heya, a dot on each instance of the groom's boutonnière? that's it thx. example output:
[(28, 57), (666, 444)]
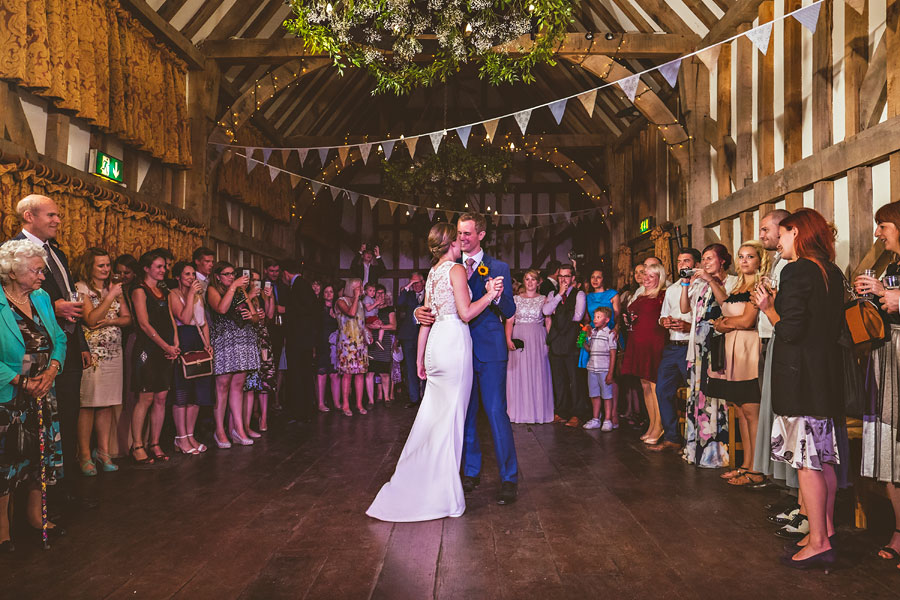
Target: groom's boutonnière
[(482, 269)]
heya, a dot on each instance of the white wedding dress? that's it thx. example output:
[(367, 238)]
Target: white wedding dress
[(426, 483)]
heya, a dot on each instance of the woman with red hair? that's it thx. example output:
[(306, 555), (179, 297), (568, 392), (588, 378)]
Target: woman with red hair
[(807, 374)]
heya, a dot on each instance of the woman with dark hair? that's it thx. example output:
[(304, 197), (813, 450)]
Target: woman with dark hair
[(235, 349), (155, 350), (101, 383), (263, 381), (381, 356), (189, 313), (706, 430), (597, 294), (881, 446), (326, 355), (807, 374), (125, 269)]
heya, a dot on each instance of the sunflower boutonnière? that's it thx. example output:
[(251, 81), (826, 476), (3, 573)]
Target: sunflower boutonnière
[(482, 269)]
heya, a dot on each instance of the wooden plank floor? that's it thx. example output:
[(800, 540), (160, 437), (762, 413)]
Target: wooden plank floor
[(598, 517)]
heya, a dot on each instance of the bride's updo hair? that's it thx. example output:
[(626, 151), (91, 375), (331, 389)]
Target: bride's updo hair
[(439, 239)]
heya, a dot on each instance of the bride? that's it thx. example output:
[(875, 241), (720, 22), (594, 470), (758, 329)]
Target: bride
[(426, 483)]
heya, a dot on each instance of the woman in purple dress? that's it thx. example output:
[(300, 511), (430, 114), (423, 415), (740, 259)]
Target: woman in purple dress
[(529, 391)]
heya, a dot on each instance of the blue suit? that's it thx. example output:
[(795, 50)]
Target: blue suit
[(489, 375), (408, 334)]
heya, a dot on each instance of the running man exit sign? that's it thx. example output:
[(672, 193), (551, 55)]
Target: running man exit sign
[(107, 167)]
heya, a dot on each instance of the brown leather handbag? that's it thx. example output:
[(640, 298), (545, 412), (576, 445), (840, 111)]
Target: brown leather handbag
[(864, 320)]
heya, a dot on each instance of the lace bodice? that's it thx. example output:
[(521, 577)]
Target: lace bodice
[(528, 310), (440, 290)]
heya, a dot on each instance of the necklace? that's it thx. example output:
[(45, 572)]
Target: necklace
[(20, 302)]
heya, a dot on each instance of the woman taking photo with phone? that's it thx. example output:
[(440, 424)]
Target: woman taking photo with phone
[(807, 374)]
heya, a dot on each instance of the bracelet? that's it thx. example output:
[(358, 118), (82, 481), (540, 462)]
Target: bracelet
[(24, 382), (683, 284)]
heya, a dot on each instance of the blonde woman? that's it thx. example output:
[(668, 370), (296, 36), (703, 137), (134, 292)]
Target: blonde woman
[(353, 353), (645, 344), (529, 390), (741, 384)]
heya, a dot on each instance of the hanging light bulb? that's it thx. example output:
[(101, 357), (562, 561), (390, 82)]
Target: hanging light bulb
[(468, 29), (531, 8), (329, 8), (512, 146)]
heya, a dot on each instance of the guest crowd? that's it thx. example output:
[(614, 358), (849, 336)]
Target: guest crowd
[(100, 354)]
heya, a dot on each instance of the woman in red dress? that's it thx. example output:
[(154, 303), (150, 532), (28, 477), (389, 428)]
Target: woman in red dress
[(645, 344)]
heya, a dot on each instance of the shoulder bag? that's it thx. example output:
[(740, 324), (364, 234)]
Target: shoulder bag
[(197, 363)]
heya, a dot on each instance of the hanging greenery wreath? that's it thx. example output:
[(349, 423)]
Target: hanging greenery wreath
[(392, 39), (445, 180)]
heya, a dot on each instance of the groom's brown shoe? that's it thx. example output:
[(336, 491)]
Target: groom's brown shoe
[(470, 483)]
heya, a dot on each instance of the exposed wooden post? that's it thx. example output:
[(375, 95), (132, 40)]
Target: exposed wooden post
[(822, 104), (203, 94), (765, 116), (892, 39), (723, 119), (726, 234), (743, 167), (56, 144), (793, 96), (695, 90), (859, 198)]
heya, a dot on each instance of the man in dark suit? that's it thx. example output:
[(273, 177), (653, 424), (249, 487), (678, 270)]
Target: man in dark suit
[(302, 321), (411, 297), (40, 221), (551, 279), (566, 311), (367, 265)]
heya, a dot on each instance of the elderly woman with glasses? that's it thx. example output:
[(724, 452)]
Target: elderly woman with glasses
[(32, 351)]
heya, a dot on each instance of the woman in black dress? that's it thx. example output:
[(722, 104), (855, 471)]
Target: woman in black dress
[(381, 355), (155, 349), (807, 374), (326, 359)]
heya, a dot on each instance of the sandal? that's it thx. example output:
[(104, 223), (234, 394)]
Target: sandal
[(88, 468), (159, 455), (148, 460), (732, 474), (894, 554), (747, 478)]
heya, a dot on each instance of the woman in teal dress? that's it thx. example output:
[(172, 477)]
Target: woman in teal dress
[(32, 351), (599, 295)]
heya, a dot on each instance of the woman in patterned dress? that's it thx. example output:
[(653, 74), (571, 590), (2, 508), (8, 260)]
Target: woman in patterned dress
[(235, 348), (529, 390), (261, 382), (31, 355), (353, 355), (105, 314)]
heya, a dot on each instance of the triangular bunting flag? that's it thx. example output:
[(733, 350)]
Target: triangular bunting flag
[(393, 207), (522, 119), (629, 86), (436, 138), (411, 143), (227, 156), (316, 186), (857, 5), (334, 194), (588, 99), (372, 201), (323, 155), (496, 220), (285, 155), (267, 152), (273, 172), (343, 152), (463, 133), (301, 154), (364, 150), (760, 36), (354, 196), (710, 56), (670, 71), (410, 209), (388, 148), (449, 215), (251, 163), (490, 128), (431, 214), (295, 179), (557, 109), (526, 220), (809, 16)]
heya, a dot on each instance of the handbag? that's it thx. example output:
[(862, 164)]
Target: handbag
[(717, 353), (197, 363), (865, 321)]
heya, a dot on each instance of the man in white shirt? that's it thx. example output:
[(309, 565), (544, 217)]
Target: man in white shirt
[(768, 237), (203, 258), (672, 372), (566, 311)]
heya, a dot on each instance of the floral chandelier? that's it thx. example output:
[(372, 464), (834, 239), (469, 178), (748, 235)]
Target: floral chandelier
[(405, 44)]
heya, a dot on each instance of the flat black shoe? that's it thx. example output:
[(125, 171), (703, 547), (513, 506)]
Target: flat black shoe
[(793, 549), (7, 546), (823, 560), (508, 493), (410, 405), (470, 483)]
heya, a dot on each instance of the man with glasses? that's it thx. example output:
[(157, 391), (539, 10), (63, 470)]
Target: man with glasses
[(566, 311)]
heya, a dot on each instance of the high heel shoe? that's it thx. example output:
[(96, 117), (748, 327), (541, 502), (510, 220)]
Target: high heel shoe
[(240, 440), (88, 468), (200, 448), (823, 560), (159, 455), (252, 434), (181, 450), (222, 445), (105, 461), (141, 461)]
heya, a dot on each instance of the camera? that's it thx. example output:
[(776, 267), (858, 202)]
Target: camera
[(686, 273), (575, 255)]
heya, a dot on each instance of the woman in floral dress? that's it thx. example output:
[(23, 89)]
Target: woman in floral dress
[(353, 355), (706, 431), (105, 314), (263, 381)]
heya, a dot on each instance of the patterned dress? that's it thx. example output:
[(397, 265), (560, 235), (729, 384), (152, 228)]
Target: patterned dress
[(101, 383), (235, 341), (263, 379), (20, 414), (353, 355)]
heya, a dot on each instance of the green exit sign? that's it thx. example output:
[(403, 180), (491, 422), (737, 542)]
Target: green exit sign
[(646, 225), (107, 167)]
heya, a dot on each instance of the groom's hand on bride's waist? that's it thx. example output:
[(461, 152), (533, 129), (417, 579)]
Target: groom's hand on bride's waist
[(423, 316)]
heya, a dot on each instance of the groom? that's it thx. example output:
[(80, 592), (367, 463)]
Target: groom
[(489, 361)]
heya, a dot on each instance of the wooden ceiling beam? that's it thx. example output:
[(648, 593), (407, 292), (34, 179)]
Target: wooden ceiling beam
[(633, 45), (165, 33), (743, 11)]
